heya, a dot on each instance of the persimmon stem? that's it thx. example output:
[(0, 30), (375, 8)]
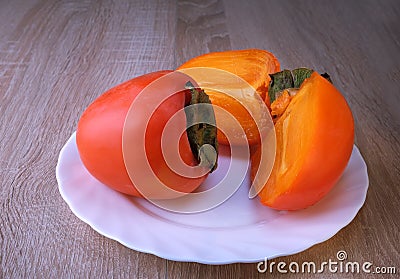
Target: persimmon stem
[(202, 128), (288, 79)]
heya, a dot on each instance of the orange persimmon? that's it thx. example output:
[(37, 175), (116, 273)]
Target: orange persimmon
[(253, 66), (314, 141), (100, 135)]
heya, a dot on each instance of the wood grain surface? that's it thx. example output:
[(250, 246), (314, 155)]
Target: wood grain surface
[(57, 56)]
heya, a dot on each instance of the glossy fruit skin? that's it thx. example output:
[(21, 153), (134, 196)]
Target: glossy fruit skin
[(315, 137), (100, 130)]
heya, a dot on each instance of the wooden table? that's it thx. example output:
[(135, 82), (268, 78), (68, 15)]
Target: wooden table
[(57, 56)]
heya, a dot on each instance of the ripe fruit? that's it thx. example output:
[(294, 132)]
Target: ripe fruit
[(99, 134), (314, 138)]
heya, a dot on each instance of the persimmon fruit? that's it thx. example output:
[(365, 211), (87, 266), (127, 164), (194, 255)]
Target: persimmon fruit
[(99, 134), (314, 141), (253, 67)]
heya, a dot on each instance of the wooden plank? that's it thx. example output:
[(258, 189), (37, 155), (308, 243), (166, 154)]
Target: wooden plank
[(347, 40), (59, 57), (201, 28)]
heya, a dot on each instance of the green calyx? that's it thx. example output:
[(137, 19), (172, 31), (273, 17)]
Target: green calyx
[(289, 79), (202, 128)]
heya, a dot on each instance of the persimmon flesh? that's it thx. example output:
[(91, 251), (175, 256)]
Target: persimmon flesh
[(314, 138), (253, 66)]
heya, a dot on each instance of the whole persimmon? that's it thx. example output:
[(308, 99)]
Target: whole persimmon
[(99, 134)]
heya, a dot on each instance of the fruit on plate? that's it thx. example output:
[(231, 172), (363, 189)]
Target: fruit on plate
[(99, 134), (314, 140), (313, 124), (248, 69)]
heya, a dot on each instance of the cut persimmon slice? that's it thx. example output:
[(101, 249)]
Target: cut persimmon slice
[(251, 67), (314, 141)]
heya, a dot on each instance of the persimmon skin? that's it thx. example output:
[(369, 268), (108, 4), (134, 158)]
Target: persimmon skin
[(100, 131), (315, 137)]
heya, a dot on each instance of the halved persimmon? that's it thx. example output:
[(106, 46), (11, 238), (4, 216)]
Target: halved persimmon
[(243, 93), (314, 141)]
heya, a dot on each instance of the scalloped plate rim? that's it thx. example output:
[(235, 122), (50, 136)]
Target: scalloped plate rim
[(176, 256)]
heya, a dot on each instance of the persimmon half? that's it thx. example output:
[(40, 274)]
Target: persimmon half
[(314, 141), (242, 93)]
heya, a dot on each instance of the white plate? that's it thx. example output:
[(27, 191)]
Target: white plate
[(239, 230)]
